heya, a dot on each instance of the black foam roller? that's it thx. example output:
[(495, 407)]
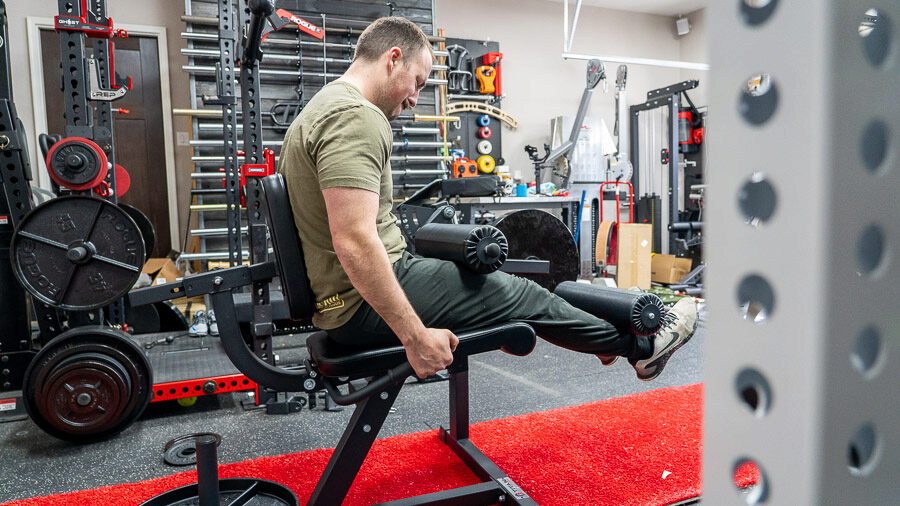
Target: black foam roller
[(481, 248), (629, 311)]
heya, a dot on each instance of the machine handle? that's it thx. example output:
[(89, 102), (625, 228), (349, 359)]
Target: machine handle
[(259, 11), (392, 377)]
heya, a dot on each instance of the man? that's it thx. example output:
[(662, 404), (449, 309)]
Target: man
[(369, 290)]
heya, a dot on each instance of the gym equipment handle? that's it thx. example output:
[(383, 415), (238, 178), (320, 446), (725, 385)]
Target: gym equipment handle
[(392, 377), (259, 11), (684, 226)]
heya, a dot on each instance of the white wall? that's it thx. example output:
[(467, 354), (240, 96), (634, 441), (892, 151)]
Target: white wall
[(539, 84), (694, 48)]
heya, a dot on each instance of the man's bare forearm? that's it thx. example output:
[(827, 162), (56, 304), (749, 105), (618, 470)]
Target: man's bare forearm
[(367, 265)]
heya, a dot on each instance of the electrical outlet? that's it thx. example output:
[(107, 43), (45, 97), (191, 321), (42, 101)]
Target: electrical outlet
[(182, 138)]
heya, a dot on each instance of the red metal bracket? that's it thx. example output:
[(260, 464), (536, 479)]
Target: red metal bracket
[(194, 387)]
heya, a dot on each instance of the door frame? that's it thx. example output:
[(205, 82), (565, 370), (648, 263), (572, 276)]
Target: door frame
[(34, 26)]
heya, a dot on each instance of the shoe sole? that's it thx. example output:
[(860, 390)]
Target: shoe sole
[(609, 361), (665, 358)]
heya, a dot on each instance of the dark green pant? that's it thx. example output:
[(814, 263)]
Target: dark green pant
[(446, 295)]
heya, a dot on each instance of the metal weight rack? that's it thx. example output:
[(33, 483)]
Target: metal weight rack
[(295, 66), (802, 383)]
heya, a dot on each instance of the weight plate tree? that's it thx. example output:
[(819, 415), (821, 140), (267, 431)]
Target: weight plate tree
[(77, 253), (538, 235), (87, 384)]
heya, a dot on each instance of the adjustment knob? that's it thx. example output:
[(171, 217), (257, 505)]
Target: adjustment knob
[(492, 251)]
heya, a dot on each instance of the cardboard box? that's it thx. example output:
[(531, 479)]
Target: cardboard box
[(669, 269), (161, 270), (634, 252)]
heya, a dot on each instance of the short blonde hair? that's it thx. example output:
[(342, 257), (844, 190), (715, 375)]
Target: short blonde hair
[(385, 33)]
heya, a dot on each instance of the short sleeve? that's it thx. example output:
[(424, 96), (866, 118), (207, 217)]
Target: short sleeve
[(350, 150)]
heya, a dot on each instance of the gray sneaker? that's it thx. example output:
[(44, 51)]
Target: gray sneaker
[(213, 325), (681, 323), (199, 324)]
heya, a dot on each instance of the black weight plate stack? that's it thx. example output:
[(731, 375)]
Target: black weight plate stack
[(145, 226), (87, 384), (77, 253), (250, 490), (538, 235)]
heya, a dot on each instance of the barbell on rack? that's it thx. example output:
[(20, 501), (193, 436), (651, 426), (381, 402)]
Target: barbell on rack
[(210, 70), (287, 58), (203, 20), (213, 37)]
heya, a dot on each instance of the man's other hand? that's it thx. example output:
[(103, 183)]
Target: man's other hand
[(431, 351)]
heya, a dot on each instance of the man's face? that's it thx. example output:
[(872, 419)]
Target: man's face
[(406, 77)]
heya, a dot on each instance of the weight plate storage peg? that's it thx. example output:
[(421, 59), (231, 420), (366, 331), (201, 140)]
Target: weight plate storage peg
[(87, 384), (484, 120), (484, 133), (77, 163), (485, 147), (77, 253)]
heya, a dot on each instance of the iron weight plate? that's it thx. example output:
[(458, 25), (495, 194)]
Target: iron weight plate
[(148, 232), (537, 235), (87, 384), (77, 253)]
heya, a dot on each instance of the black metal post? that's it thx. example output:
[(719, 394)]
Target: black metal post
[(261, 327), (353, 447), (675, 154), (459, 398), (105, 138), (207, 471), (228, 29), (635, 150)]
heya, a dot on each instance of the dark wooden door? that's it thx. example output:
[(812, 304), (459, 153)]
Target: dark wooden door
[(139, 134)]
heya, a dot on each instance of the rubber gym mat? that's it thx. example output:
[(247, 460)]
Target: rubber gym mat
[(641, 449)]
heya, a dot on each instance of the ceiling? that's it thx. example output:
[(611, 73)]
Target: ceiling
[(661, 7)]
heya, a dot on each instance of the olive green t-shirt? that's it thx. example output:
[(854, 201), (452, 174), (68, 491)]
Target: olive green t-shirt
[(339, 139)]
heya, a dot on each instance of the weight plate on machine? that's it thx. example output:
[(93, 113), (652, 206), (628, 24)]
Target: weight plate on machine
[(182, 451), (485, 147), (87, 384), (537, 235), (142, 319), (171, 319), (77, 253), (148, 232), (77, 163), (157, 317)]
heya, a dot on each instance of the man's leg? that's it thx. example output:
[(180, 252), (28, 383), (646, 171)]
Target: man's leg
[(446, 295)]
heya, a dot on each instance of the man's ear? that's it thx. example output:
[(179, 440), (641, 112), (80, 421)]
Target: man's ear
[(395, 56)]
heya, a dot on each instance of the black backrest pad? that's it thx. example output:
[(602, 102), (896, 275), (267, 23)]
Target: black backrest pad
[(286, 243)]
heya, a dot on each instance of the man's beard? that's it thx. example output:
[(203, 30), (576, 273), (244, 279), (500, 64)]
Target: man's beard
[(390, 108)]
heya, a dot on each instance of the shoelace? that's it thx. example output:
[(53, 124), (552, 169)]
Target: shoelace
[(668, 318)]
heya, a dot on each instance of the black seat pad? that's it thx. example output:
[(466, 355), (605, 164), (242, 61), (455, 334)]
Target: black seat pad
[(336, 360)]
